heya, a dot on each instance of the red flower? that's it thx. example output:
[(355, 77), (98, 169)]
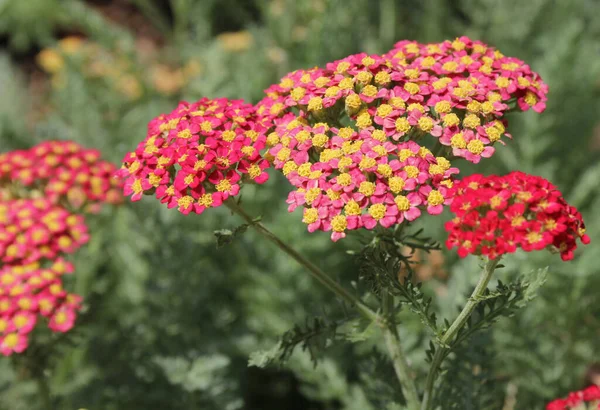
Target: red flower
[(498, 214)]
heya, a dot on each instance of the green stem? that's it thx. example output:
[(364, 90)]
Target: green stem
[(317, 273), (392, 342), (43, 391), (459, 322)]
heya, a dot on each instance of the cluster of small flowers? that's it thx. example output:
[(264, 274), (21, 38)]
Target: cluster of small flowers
[(455, 91), (35, 229), (348, 180), (498, 214), (61, 171), (587, 399), (27, 291), (34, 234), (198, 155)]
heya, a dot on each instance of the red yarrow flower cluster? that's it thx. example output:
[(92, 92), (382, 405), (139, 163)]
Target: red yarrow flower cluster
[(28, 292), (498, 214), (61, 171), (197, 156), (587, 399)]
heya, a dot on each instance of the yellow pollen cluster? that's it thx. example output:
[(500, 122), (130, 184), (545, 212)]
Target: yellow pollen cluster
[(402, 203), (344, 179), (385, 170), (475, 147), (382, 78), (425, 124), (402, 125), (364, 120), (353, 102), (352, 208), (298, 93), (223, 185), (185, 201), (364, 77), (411, 171), (384, 110), (471, 121), (367, 188), (319, 140), (377, 211), (315, 104), (412, 88), (442, 107), (339, 223), (311, 215), (435, 198), (206, 200)]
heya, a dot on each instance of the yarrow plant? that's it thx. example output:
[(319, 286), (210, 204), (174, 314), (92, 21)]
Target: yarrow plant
[(43, 192), (587, 399), (371, 143)]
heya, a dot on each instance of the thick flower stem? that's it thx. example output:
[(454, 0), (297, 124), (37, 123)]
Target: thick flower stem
[(401, 367), (459, 322), (317, 273), (44, 391)]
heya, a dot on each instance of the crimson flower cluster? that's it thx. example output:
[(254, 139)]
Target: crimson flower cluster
[(197, 156), (495, 215), (34, 234), (587, 399), (61, 171)]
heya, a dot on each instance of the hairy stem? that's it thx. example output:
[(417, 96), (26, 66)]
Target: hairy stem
[(317, 273), (459, 322), (392, 342)]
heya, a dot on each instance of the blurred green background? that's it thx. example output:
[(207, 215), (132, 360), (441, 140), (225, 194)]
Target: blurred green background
[(170, 322)]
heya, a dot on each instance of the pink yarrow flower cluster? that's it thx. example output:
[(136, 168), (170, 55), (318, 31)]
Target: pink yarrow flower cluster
[(587, 399), (347, 180), (28, 292), (34, 235), (197, 156), (61, 171), (457, 92), (495, 215)]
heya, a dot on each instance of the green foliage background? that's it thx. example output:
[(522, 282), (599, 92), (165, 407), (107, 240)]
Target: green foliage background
[(171, 322)]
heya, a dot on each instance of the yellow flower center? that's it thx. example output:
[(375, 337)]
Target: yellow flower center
[(425, 124), (402, 125), (411, 88), (339, 223), (458, 141), (366, 188), (223, 185), (435, 198), (396, 184), (311, 215), (344, 179), (377, 211), (352, 208), (471, 121), (442, 107), (411, 171), (402, 203), (185, 201), (475, 147)]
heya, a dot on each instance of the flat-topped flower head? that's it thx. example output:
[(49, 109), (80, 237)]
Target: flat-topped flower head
[(455, 91), (348, 178), (587, 399), (35, 229), (495, 215), (30, 294), (198, 156), (61, 171)]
